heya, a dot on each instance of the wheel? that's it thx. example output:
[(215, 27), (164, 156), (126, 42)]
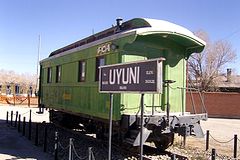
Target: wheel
[(164, 141)]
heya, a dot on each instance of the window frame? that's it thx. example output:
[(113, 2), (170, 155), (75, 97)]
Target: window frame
[(49, 75), (98, 61), (81, 76), (58, 73)]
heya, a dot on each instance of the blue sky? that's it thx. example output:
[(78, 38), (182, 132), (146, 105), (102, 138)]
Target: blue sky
[(61, 22)]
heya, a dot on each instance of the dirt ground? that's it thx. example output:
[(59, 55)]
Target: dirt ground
[(222, 130)]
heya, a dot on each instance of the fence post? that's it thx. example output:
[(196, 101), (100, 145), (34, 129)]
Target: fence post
[(24, 125), (30, 115), (89, 153), (30, 125), (70, 149), (28, 98), (235, 146), (56, 146), (15, 124), (19, 122), (213, 154), (14, 99), (207, 140), (7, 117), (173, 157), (45, 137), (11, 118), (36, 135)]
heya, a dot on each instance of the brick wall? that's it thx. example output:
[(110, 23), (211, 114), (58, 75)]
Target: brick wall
[(218, 104)]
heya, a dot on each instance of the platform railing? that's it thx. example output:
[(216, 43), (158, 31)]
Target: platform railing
[(191, 90)]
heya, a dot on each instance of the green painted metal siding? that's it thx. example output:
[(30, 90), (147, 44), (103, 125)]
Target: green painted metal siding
[(73, 96), (174, 68), (80, 97)]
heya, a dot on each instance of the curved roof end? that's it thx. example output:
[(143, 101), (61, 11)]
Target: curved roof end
[(191, 41)]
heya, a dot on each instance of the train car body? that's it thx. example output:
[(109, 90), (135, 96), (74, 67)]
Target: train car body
[(69, 81)]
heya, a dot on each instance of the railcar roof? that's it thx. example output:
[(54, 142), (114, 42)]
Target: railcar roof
[(141, 26), (175, 32)]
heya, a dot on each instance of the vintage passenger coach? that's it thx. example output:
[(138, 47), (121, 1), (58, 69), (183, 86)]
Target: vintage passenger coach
[(69, 82)]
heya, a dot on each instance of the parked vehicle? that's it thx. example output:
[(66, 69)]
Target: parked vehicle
[(69, 81)]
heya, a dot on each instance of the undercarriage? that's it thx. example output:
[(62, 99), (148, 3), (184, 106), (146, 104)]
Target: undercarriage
[(156, 127)]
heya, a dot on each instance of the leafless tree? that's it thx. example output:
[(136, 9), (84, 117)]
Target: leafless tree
[(203, 68), (25, 80)]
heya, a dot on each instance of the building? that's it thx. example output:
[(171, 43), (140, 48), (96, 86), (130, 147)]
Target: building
[(228, 82)]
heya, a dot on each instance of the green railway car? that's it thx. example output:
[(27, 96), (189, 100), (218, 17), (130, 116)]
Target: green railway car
[(69, 80)]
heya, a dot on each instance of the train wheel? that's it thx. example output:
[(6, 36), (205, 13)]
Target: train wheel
[(164, 141)]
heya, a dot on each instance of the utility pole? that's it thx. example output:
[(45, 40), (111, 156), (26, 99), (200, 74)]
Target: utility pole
[(38, 59)]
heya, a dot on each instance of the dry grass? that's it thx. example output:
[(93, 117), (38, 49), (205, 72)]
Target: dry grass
[(196, 148)]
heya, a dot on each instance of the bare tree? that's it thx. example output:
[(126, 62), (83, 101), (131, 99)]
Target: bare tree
[(25, 80), (203, 68)]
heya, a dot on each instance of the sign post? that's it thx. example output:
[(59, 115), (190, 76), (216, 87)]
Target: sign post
[(137, 77), (141, 132), (110, 128)]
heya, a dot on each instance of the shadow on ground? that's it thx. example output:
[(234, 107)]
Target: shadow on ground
[(13, 145)]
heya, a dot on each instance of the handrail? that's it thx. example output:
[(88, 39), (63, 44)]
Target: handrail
[(203, 107)]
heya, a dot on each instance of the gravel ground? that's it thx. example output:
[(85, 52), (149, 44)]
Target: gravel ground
[(222, 132), (220, 129)]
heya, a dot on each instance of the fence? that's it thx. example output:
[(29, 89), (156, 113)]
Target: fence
[(18, 100), (58, 146), (71, 150), (214, 153), (15, 121)]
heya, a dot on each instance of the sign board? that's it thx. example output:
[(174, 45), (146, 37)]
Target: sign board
[(139, 77)]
